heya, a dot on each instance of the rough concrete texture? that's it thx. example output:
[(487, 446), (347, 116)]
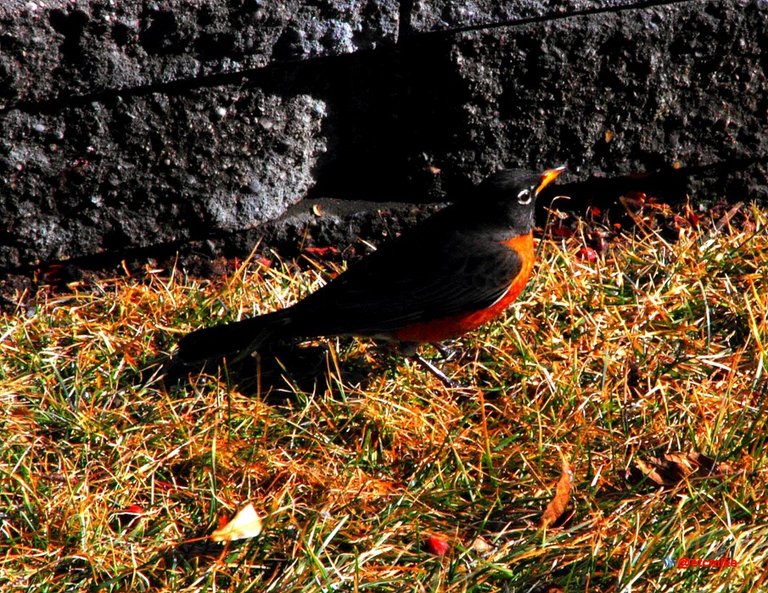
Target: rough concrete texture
[(619, 92), (442, 15), (149, 170), (611, 93), (129, 125), (60, 48)]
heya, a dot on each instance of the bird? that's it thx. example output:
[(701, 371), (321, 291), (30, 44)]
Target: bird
[(446, 276)]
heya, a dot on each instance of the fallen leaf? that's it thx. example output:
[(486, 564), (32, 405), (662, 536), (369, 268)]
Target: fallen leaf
[(165, 486), (481, 546), (635, 198), (322, 252), (672, 468), (561, 231), (692, 217), (222, 520), (709, 466), (587, 254), (127, 518), (245, 524), (436, 545), (60, 275), (559, 502), (662, 472), (634, 375), (598, 240)]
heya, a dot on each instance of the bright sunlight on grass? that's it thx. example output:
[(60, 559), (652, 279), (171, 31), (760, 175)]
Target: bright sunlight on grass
[(644, 357)]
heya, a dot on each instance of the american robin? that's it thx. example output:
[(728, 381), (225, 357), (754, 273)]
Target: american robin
[(448, 275)]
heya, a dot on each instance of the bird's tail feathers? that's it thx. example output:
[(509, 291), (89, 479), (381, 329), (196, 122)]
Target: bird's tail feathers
[(236, 337)]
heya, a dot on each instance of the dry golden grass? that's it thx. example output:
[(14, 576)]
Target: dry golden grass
[(655, 348)]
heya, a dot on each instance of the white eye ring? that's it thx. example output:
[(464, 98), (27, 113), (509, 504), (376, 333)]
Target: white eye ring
[(524, 197)]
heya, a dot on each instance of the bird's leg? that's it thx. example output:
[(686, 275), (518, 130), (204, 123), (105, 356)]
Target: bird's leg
[(446, 352), (435, 371), (409, 350)]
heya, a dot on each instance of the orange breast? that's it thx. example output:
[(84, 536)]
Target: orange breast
[(455, 325)]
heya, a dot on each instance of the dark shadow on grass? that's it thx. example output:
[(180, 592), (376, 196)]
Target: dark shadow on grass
[(276, 374)]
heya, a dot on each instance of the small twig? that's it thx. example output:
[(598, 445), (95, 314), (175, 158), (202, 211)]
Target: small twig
[(726, 218)]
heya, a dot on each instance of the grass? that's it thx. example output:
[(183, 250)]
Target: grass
[(657, 347)]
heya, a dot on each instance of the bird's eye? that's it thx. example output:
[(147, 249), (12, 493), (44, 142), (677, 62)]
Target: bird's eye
[(524, 197)]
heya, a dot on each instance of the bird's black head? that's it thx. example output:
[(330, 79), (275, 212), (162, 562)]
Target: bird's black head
[(510, 195)]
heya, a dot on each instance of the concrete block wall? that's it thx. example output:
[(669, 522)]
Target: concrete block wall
[(128, 125)]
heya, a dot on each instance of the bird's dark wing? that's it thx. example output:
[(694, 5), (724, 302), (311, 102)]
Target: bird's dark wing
[(413, 280)]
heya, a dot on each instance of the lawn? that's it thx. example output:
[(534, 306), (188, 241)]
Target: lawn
[(625, 390)]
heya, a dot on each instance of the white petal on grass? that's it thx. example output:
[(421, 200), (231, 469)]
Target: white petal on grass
[(245, 524)]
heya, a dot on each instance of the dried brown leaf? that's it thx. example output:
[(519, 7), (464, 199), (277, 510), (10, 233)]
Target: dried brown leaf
[(481, 546), (559, 502), (672, 468)]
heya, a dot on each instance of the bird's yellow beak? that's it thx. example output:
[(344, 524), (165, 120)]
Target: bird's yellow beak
[(548, 176)]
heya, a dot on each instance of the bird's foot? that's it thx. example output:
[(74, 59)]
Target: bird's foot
[(431, 368), (446, 352)]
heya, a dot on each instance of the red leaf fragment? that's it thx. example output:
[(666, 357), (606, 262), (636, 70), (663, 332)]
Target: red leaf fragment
[(587, 254), (322, 252), (560, 231), (126, 518), (436, 545)]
